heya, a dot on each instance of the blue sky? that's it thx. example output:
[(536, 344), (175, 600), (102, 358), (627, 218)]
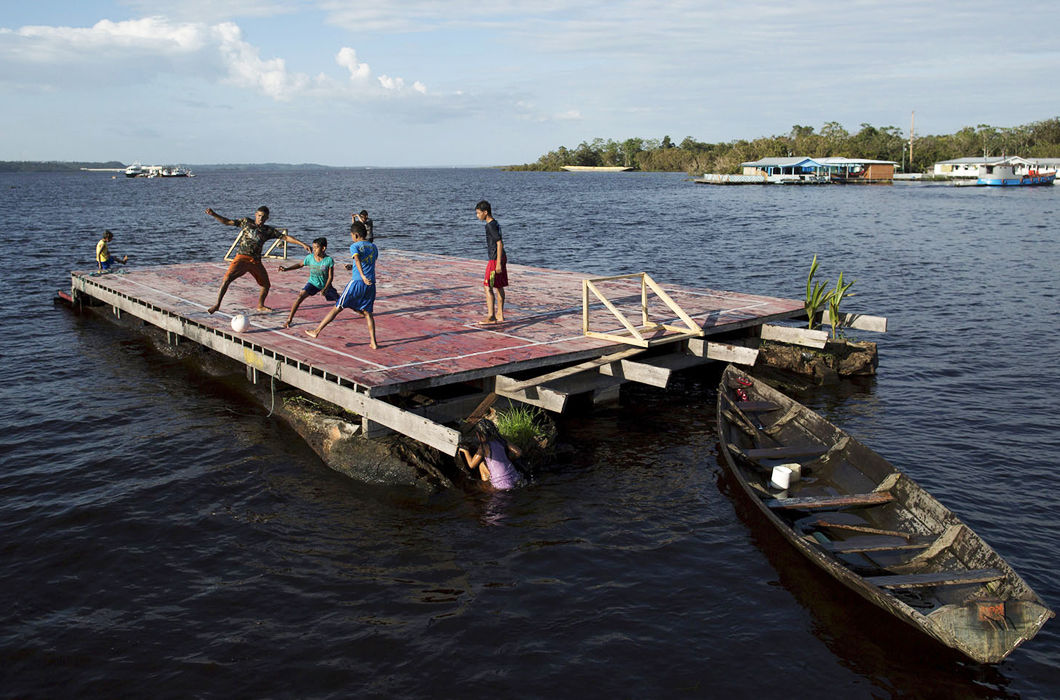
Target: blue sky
[(439, 82)]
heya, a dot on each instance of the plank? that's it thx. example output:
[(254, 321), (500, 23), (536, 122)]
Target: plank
[(872, 545), (757, 406), (786, 451), (482, 409), (862, 528), (795, 336), (819, 502), (575, 369), (735, 353), (937, 578), (861, 322)]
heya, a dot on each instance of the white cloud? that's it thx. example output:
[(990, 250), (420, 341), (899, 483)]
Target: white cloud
[(347, 58), (156, 44)]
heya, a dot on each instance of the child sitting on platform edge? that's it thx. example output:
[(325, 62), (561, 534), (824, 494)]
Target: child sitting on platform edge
[(104, 260)]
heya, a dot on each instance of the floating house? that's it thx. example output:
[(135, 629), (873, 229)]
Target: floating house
[(975, 167), (969, 167), (834, 169)]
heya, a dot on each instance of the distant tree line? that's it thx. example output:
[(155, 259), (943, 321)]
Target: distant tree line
[(1038, 139), (51, 166)]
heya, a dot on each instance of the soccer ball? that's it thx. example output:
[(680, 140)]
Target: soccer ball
[(239, 323)]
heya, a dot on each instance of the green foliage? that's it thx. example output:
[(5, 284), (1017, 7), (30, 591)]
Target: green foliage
[(1035, 140), (519, 426), (834, 300), (817, 295)]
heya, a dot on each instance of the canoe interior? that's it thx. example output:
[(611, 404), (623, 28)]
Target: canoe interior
[(871, 526)]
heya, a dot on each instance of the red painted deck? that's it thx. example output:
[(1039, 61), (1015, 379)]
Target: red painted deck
[(426, 312)]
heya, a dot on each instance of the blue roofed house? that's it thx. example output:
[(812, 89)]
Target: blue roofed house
[(801, 169)]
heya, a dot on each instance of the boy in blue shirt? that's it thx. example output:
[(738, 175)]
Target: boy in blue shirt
[(359, 294), (321, 275)]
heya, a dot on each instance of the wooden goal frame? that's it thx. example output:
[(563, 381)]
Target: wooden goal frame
[(635, 335), (267, 254)]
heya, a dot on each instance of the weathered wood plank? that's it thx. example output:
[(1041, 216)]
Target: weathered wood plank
[(861, 528), (854, 500), (735, 353), (785, 452), (653, 371), (795, 336), (574, 369), (937, 578), (853, 547), (861, 322), (757, 406)]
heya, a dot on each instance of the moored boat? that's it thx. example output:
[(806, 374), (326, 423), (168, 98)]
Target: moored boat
[(1005, 175), (870, 526)]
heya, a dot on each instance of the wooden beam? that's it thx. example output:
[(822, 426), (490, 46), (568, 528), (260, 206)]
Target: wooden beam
[(853, 500), (540, 396), (937, 578), (785, 452), (861, 322), (723, 352), (654, 371), (862, 528), (574, 369), (795, 336)]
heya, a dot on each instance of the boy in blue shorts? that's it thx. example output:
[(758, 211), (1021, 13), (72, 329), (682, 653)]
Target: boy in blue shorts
[(321, 274), (359, 294)]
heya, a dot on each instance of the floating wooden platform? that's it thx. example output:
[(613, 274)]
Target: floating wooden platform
[(427, 318)]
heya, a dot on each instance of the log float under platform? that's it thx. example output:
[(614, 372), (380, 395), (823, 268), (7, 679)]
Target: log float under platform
[(427, 315)]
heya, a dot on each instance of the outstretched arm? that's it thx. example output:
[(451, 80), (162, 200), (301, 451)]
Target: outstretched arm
[(291, 239), (223, 220), (291, 267)]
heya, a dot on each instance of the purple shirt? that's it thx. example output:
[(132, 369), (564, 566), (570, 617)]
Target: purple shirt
[(502, 472)]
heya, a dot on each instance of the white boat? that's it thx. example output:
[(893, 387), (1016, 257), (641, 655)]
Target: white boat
[(175, 171), (1005, 175), (134, 170)]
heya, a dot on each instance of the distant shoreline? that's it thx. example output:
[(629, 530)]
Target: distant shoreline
[(51, 166)]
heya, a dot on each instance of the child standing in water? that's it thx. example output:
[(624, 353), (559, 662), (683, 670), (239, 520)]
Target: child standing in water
[(321, 275), (359, 294), (491, 457)]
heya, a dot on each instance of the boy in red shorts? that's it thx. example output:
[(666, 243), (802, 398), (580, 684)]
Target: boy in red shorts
[(497, 267), (252, 236)]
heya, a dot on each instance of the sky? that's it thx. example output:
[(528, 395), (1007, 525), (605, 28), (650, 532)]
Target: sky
[(461, 83)]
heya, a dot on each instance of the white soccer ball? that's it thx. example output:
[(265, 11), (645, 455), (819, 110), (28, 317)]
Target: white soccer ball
[(239, 323)]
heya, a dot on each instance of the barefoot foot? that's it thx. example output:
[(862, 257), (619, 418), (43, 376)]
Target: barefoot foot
[(312, 334), (264, 308), (213, 308)]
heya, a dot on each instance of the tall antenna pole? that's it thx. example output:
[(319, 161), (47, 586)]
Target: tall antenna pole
[(912, 122)]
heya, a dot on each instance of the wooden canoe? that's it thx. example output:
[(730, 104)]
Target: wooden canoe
[(872, 527)]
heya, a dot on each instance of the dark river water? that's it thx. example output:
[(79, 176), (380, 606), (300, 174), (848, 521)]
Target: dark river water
[(161, 537)]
